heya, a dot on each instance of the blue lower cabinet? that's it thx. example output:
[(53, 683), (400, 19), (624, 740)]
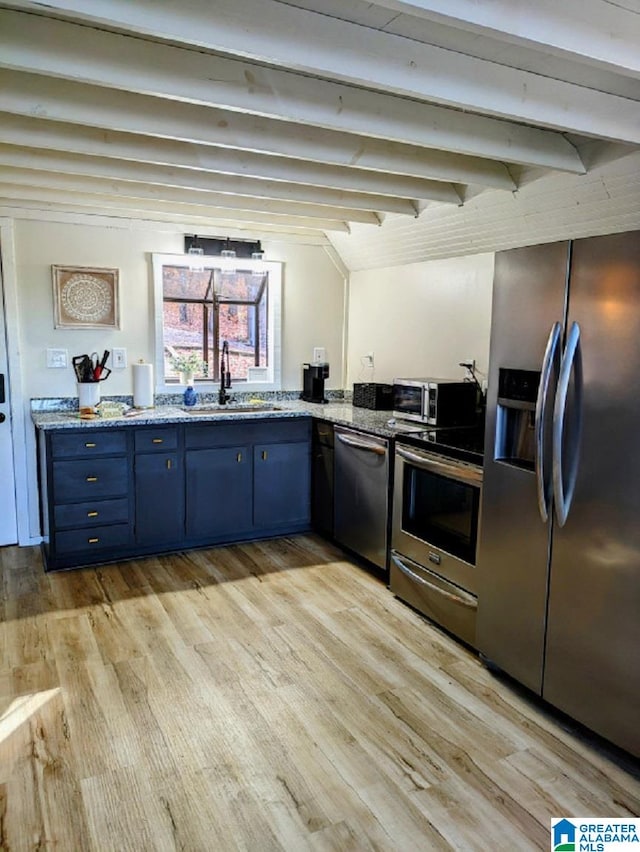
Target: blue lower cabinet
[(282, 484), (117, 493), (159, 497), (218, 492)]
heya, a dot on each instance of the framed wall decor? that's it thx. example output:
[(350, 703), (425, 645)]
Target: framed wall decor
[(85, 297)]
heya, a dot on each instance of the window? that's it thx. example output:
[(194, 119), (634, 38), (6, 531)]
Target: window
[(203, 301)]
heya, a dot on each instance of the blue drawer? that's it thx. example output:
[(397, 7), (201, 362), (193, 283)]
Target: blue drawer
[(92, 539), (75, 481), (88, 443), (92, 513), (155, 440)]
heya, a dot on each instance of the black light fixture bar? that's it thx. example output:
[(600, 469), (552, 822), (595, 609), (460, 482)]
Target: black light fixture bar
[(215, 245)]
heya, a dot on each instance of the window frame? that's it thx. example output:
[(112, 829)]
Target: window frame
[(273, 381)]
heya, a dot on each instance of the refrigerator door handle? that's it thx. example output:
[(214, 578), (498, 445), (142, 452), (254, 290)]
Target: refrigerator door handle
[(551, 357), (571, 362)]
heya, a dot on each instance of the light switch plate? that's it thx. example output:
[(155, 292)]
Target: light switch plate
[(119, 359), (57, 359)]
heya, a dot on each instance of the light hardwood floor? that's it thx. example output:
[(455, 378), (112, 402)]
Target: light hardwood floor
[(268, 696)]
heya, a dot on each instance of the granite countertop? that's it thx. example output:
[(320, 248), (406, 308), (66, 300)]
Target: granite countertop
[(337, 412)]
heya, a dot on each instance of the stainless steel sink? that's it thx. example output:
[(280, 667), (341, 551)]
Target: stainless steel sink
[(233, 408)]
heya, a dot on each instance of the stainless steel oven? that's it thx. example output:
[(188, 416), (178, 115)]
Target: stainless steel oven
[(436, 509)]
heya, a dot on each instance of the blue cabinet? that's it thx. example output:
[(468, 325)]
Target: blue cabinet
[(218, 492), (86, 501), (247, 479), (114, 493), (282, 484), (159, 498)]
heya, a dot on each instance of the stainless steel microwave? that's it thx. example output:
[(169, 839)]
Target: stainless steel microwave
[(435, 402)]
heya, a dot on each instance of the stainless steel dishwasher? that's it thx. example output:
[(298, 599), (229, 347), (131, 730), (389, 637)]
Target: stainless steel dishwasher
[(362, 494)]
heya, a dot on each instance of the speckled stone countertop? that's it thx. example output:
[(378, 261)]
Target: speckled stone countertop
[(337, 412)]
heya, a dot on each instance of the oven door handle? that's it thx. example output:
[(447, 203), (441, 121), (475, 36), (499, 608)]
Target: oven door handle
[(362, 445), (463, 598), (467, 473)]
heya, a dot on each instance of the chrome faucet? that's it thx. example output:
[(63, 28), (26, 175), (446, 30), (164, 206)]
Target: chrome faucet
[(225, 374)]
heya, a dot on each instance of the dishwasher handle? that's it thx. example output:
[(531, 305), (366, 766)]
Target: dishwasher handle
[(361, 444)]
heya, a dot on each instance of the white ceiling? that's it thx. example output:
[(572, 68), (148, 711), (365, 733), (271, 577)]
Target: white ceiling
[(335, 121)]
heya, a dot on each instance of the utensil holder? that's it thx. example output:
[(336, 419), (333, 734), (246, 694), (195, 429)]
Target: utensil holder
[(88, 394)]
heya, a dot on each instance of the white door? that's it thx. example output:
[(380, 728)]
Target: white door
[(8, 520)]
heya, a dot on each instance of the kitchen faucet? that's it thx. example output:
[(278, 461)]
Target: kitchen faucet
[(225, 375)]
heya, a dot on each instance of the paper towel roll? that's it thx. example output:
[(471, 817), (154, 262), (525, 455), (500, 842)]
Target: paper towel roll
[(142, 385)]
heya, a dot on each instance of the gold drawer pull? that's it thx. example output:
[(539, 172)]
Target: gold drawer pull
[(157, 440), (93, 540), (92, 514), (92, 479), (239, 457), (89, 444)]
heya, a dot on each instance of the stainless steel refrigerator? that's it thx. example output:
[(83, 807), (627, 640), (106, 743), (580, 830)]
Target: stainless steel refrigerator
[(559, 550)]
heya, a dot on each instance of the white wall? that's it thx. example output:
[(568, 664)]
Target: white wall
[(313, 293), (312, 311), (421, 319)]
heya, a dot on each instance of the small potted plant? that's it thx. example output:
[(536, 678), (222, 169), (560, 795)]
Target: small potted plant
[(187, 364)]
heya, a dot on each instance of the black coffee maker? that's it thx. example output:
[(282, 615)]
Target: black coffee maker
[(313, 376)]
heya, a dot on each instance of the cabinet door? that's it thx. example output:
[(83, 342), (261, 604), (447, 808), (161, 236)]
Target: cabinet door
[(282, 484), (219, 491), (159, 498)]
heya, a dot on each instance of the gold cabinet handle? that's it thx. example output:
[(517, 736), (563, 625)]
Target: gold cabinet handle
[(93, 540), (92, 479), (239, 457), (168, 464), (157, 440), (92, 514), (264, 455), (89, 444)]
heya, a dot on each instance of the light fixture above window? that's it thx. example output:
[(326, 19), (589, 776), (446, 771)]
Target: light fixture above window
[(228, 252), (196, 255), (217, 246), (228, 256)]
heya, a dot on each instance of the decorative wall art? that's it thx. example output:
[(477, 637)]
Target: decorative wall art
[(85, 297)]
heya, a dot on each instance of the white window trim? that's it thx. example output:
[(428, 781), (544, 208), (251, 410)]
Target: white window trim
[(274, 319)]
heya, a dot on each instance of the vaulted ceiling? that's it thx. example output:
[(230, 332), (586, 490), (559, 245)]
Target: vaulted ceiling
[(305, 120)]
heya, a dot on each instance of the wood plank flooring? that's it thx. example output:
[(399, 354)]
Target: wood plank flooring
[(268, 696)]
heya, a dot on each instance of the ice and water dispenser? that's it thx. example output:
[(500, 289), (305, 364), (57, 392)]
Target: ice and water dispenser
[(515, 425)]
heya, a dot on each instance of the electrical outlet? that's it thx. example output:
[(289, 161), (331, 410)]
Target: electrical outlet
[(368, 359), (119, 359), (57, 358)]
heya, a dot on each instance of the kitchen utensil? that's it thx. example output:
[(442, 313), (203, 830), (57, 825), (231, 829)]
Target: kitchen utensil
[(98, 370), (82, 367)]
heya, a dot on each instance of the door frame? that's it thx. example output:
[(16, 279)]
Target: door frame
[(24, 459)]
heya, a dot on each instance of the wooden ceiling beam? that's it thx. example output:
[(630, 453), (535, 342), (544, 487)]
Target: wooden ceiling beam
[(198, 181), (175, 195), (36, 133), (43, 45), (94, 106), (18, 204), (593, 32)]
